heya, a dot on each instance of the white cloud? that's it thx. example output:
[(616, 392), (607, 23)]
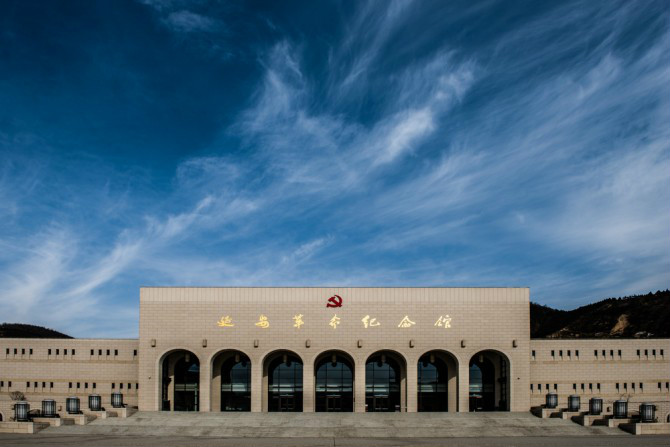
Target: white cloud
[(187, 22), (407, 130)]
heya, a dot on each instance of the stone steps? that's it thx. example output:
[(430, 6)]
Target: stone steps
[(332, 425)]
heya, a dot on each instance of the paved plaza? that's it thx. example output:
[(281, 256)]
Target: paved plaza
[(331, 429), (53, 440)]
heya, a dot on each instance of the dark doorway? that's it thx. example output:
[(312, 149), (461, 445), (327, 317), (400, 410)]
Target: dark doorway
[(186, 383), (383, 376), (236, 383), (433, 380), (334, 385), (488, 382), (285, 382)]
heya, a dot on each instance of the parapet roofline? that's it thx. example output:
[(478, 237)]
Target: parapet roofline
[(335, 287)]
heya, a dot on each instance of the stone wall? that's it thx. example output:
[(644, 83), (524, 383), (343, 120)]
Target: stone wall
[(630, 369), (59, 368)]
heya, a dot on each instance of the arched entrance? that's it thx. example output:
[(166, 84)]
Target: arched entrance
[(283, 371), (489, 381), (437, 382), (180, 381), (334, 382), (231, 381), (385, 380)]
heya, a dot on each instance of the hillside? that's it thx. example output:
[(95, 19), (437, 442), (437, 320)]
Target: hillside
[(17, 330), (637, 316)]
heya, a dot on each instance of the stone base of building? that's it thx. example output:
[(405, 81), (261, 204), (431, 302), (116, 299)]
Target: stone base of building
[(588, 420), (646, 428), (612, 422), (53, 422), (545, 413), (77, 419), (104, 414), (20, 427), (122, 412), (570, 414)]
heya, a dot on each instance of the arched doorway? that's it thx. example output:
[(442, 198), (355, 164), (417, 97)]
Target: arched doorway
[(384, 382), (437, 382), (283, 370), (334, 382), (180, 380), (231, 381), (489, 381)]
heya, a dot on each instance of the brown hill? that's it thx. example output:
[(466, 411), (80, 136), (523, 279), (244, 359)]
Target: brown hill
[(18, 330), (637, 316)]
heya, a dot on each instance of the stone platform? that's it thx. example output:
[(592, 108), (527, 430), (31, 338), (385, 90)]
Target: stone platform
[(591, 419), (21, 427), (640, 428), (333, 425)]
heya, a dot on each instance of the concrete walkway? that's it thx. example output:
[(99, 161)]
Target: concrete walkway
[(53, 440), (333, 426)]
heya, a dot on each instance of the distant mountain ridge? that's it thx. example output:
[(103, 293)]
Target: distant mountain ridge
[(637, 316), (18, 330)]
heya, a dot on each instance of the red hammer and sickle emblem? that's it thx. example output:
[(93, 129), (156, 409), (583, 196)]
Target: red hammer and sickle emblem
[(334, 301)]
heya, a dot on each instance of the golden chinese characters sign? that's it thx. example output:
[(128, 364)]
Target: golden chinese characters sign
[(443, 321)]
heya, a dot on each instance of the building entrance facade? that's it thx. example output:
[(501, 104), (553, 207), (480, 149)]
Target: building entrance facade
[(334, 382), (333, 350), (180, 381), (285, 382), (489, 381), (384, 382)]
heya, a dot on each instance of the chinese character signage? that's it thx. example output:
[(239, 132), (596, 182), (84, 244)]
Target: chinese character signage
[(406, 322), (263, 322), (225, 321), (368, 321)]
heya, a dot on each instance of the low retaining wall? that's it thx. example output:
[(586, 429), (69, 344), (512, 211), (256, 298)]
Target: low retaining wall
[(17, 427)]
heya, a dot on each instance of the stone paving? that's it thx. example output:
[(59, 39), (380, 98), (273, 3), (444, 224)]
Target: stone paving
[(153, 429), (334, 425), (53, 440)]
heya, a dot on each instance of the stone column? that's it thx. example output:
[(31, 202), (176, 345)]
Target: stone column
[(172, 361), (256, 386), (359, 386), (411, 382), (205, 386), (464, 386), (308, 387)]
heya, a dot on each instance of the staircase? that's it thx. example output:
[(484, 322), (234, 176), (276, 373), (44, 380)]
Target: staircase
[(331, 425)]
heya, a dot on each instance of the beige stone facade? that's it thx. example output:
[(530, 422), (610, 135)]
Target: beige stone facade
[(373, 326), (59, 368), (636, 370)]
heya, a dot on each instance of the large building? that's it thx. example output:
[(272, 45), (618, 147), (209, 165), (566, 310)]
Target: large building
[(335, 349)]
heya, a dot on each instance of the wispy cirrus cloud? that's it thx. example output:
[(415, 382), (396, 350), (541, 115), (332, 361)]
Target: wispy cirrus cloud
[(188, 22), (407, 145)]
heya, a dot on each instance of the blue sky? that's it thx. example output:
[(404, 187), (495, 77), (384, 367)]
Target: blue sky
[(329, 143)]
